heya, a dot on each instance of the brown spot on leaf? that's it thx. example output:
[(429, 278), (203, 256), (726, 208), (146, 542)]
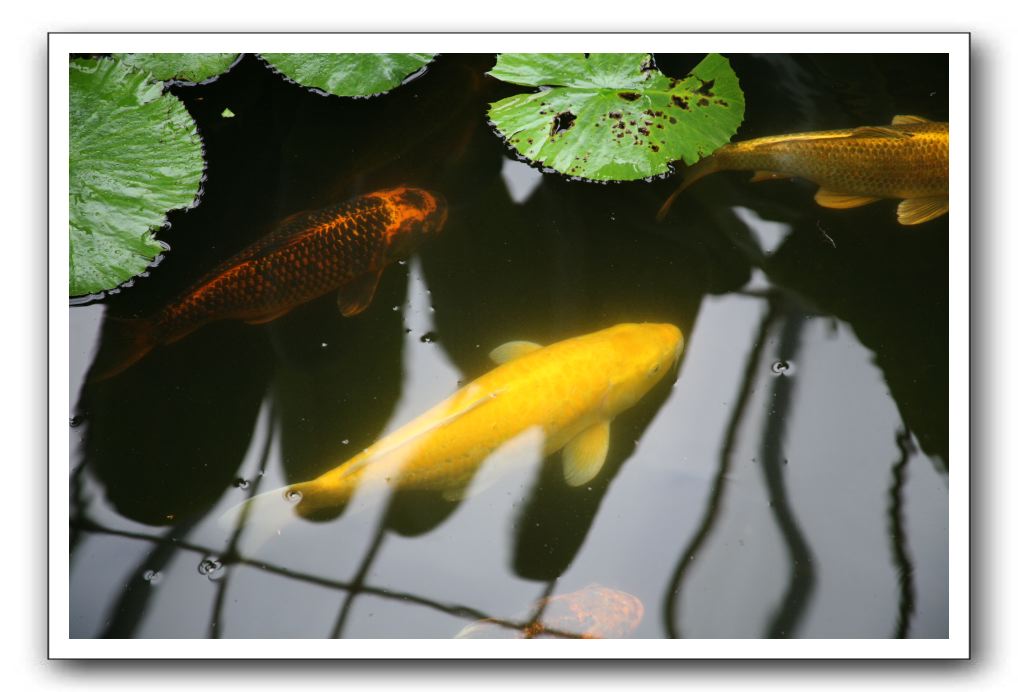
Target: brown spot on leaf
[(671, 120), (628, 95), (705, 87), (655, 148), (703, 102), (680, 102), (722, 102), (563, 121), (643, 131)]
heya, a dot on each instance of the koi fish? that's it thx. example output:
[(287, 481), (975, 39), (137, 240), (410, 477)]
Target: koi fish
[(905, 160), (563, 396), (593, 612), (345, 246)]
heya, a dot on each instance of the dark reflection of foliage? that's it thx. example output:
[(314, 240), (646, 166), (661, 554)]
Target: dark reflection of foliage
[(712, 512), (166, 436), (334, 400), (899, 538), (772, 463)]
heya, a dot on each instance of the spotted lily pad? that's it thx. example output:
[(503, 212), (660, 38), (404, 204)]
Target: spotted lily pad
[(182, 67), (614, 116), (135, 153), (349, 74)]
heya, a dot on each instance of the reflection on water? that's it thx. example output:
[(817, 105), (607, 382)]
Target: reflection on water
[(734, 500)]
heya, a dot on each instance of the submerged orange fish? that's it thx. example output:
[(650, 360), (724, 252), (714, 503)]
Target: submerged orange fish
[(905, 160), (309, 254), (593, 612)]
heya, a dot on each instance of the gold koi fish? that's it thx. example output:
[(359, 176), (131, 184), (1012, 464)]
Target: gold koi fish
[(905, 160), (567, 393)]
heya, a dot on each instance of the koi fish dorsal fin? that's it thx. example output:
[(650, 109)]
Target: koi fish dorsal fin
[(841, 200), (584, 455), (908, 120), (921, 209), (356, 295), (511, 350), (879, 131)]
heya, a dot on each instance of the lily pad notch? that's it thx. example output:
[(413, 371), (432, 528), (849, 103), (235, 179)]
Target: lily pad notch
[(614, 117)]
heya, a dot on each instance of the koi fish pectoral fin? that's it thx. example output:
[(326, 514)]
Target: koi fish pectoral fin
[(356, 295), (584, 455), (921, 209), (841, 200), (512, 350)]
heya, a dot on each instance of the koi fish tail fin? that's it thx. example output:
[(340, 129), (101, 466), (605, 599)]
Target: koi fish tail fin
[(703, 167), (124, 342), (259, 518)]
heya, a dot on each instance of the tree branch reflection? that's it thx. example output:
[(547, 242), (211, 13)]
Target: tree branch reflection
[(455, 610), (800, 587), (899, 540), (671, 618)]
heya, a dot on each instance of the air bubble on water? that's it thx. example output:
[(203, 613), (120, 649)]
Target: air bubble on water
[(77, 420), (401, 263), (430, 337), (211, 567), (293, 496), (395, 308), (782, 368), (325, 344), (241, 483), (152, 576), (346, 442)]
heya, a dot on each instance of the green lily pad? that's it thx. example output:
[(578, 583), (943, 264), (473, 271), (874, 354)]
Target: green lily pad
[(184, 67), (614, 116), (135, 154), (349, 74)]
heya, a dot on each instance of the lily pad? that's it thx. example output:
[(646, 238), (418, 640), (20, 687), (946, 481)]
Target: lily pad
[(614, 116), (349, 74), (135, 154), (183, 67)]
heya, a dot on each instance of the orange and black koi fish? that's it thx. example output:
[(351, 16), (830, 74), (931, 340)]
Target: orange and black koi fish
[(309, 254)]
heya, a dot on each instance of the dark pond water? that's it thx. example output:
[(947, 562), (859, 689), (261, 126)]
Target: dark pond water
[(790, 481)]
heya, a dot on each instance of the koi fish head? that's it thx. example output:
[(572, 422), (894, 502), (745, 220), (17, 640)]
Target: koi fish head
[(638, 357), (414, 214)]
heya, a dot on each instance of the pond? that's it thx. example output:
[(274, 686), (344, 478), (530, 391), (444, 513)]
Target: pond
[(789, 478)]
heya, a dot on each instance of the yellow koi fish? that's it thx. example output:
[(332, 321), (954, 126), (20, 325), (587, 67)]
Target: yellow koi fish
[(564, 395), (905, 160)]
